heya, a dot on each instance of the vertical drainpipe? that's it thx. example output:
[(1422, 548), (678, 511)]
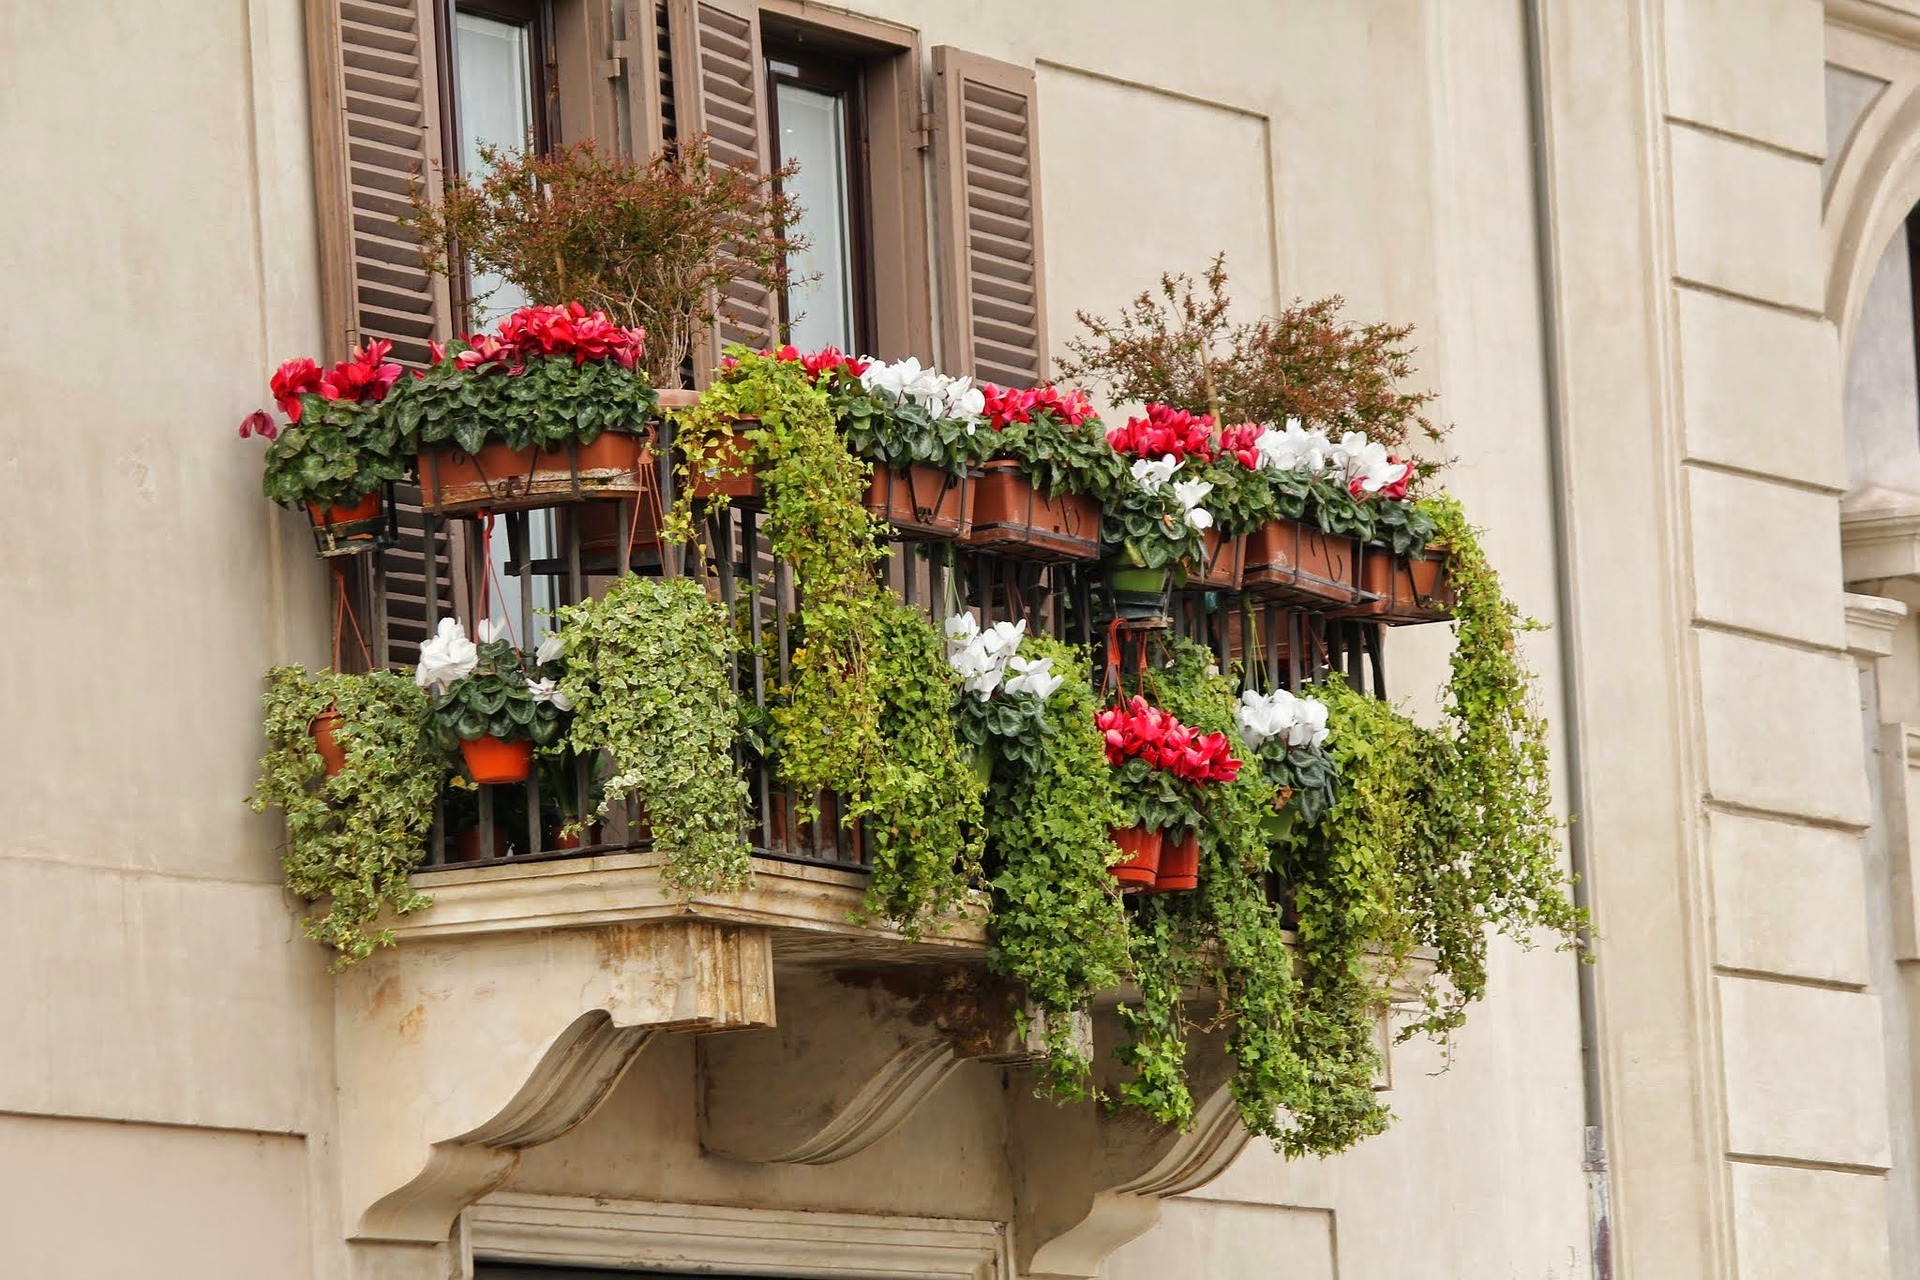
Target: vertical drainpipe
[(1599, 1214)]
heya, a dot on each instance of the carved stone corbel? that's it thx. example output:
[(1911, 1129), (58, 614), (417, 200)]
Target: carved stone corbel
[(855, 1054), (455, 1055)]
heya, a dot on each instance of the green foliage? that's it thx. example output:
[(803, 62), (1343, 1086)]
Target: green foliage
[(550, 402), (1057, 924), (355, 837), (1243, 497), (1059, 456), (494, 701), (866, 712), (1147, 529), (919, 801), (649, 673), (1163, 964), (896, 432), (339, 452)]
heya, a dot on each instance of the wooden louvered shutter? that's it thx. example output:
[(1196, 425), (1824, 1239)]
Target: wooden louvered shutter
[(374, 77), (994, 316), (720, 89)]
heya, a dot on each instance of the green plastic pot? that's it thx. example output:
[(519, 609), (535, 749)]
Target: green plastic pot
[(1138, 593)]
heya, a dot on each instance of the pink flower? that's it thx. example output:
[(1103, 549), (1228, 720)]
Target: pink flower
[(260, 423)]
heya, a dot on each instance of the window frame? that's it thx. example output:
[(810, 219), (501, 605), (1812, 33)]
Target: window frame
[(829, 73)]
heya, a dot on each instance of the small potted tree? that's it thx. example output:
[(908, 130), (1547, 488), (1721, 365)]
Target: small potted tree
[(488, 702), (339, 449), (1048, 460)]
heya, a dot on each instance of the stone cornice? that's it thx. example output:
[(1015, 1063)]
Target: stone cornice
[(1880, 537), (1871, 622)]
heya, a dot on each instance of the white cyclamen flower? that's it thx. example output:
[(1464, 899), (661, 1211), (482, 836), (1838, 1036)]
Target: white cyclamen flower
[(961, 628), (448, 657), (893, 378), (1355, 454), (485, 632), (1381, 472), (1150, 473), (548, 691), (1309, 728), (1002, 638), (1189, 494), (1294, 449), (550, 649), (1264, 715), (1034, 676)]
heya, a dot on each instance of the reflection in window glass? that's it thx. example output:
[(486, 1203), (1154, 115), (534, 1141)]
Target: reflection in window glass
[(493, 83), (493, 79), (813, 131)]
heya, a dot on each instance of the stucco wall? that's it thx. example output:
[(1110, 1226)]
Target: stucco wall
[(164, 260)]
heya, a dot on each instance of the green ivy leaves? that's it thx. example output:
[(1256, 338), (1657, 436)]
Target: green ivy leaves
[(649, 675), (352, 839)]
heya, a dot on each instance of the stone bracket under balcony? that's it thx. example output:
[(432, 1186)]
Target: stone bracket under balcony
[(454, 1055)]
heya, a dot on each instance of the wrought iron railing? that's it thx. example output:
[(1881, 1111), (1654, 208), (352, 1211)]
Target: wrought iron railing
[(523, 563)]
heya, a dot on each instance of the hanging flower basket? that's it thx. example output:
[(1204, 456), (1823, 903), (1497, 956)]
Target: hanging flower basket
[(350, 530), (1225, 562), (1138, 595), (1142, 866), (501, 478), (1295, 562), (494, 761), (922, 502), (1012, 518), (1179, 868), (1404, 591)]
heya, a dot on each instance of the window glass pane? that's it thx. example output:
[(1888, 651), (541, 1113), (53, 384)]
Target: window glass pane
[(493, 83), (813, 130)]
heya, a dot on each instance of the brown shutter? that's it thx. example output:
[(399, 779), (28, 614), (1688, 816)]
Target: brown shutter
[(647, 76), (374, 74), (719, 80), (994, 314)]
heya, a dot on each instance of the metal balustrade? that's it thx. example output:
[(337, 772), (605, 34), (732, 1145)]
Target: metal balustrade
[(563, 554)]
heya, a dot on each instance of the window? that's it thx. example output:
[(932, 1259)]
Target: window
[(817, 121), (501, 89)]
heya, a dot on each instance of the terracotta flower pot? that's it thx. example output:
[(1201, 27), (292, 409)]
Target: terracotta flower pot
[(494, 761), (1011, 518), (1403, 590), (454, 482), (1142, 866), (728, 468), (922, 502), (1295, 562), (1225, 563), (578, 840), (466, 844), (332, 754), (348, 531), (1179, 864)]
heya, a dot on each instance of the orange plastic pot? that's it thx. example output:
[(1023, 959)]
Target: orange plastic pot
[(495, 761), (347, 531), (727, 469), (1225, 562), (1404, 590), (1293, 562), (332, 754), (1142, 866), (1179, 864)]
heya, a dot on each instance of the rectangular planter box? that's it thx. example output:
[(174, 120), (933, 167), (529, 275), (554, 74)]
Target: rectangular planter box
[(1011, 518), (1226, 563), (453, 482), (1295, 562), (922, 502), (1404, 591)]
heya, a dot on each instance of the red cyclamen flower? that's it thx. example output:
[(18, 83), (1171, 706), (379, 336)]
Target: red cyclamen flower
[(260, 423), (369, 375), (1241, 443), (1165, 432), (292, 380)]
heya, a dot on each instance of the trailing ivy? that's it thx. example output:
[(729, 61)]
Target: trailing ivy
[(866, 712), (354, 838), (1057, 924), (649, 676)]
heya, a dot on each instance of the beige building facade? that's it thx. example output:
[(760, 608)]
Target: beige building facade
[(1657, 253)]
